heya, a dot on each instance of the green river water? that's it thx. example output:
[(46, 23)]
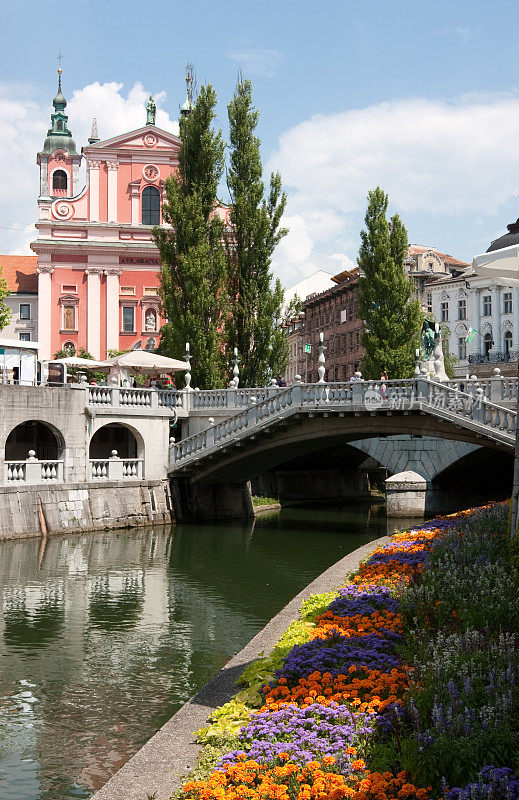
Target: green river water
[(104, 636)]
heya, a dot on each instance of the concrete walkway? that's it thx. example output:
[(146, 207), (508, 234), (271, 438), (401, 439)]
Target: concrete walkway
[(158, 768)]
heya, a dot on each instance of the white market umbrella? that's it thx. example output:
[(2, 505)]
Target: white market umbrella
[(503, 266), (75, 361), (144, 361)]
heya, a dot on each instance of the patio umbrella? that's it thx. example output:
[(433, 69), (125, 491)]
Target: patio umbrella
[(144, 361), (85, 363), (503, 266)]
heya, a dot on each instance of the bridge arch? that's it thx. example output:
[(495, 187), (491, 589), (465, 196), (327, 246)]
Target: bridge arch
[(45, 439)]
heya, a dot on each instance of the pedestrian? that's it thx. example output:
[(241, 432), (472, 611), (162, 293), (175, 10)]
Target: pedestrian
[(383, 377)]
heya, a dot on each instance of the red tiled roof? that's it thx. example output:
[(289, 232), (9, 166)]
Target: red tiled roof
[(417, 249), (20, 273)]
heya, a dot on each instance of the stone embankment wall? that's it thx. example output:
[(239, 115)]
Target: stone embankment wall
[(59, 508)]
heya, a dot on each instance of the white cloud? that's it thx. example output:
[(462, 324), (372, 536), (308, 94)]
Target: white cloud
[(25, 124), (264, 63), (432, 158)]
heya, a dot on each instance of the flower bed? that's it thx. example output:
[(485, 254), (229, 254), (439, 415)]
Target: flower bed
[(403, 684)]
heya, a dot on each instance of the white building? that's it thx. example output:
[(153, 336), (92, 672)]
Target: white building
[(490, 307)]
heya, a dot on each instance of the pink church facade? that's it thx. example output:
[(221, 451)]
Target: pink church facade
[(97, 262)]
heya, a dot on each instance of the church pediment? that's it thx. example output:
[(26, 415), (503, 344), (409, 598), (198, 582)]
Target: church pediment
[(148, 138)]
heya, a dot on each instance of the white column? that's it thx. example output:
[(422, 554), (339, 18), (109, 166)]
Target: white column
[(515, 319), (135, 197), (112, 190), (45, 311), (94, 311), (496, 320), (93, 190), (476, 343), (112, 308)]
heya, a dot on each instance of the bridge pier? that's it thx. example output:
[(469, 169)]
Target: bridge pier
[(406, 494), (193, 501)]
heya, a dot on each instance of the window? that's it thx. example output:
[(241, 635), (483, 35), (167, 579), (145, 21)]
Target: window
[(428, 300), (59, 125), (71, 347), (150, 290), (127, 290), (487, 305), (462, 348), (508, 342), (128, 319), (71, 288), (444, 308), (507, 303), (69, 318), (462, 309), (59, 180), (487, 343), (430, 266), (25, 337), (150, 206), (25, 311)]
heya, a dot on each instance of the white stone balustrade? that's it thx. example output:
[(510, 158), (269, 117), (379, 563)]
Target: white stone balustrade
[(33, 471), (115, 468)]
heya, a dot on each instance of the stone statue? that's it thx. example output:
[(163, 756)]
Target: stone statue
[(427, 336), (151, 110)]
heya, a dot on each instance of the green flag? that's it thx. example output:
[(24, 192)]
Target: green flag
[(470, 334)]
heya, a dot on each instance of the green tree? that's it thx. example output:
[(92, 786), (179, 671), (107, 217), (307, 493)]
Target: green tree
[(391, 318), (5, 311), (193, 274), (256, 300)]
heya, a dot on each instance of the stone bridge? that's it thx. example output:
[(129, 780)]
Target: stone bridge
[(304, 419)]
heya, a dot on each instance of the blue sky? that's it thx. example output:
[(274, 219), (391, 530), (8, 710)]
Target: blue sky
[(422, 98)]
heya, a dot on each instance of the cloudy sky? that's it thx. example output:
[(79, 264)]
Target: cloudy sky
[(419, 98)]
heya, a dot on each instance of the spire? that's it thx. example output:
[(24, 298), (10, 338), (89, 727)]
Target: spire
[(187, 108), (94, 136), (58, 135)]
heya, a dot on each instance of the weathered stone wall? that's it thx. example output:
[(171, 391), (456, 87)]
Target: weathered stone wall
[(82, 507)]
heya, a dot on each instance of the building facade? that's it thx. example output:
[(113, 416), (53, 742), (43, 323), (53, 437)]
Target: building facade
[(97, 263), (19, 272), (334, 312)]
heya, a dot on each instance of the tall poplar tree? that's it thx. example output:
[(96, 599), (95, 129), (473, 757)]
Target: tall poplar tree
[(391, 318), (256, 300), (193, 274)]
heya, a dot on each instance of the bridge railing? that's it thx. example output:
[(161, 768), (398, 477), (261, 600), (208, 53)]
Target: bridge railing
[(442, 399)]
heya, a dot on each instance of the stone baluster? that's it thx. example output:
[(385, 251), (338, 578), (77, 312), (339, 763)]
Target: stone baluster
[(321, 369)]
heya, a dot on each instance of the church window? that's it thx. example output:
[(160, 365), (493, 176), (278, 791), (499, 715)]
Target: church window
[(150, 290), (128, 319), (127, 290), (150, 206), (507, 303), (59, 180)]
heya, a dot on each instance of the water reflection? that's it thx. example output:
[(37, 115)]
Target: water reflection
[(114, 632)]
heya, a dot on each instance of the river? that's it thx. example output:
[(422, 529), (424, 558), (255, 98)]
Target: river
[(104, 636)]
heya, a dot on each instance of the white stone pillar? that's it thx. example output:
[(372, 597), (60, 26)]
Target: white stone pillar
[(135, 192), (476, 343), (496, 319), (515, 319), (94, 311), (93, 190), (112, 190), (112, 308), (45, 310)]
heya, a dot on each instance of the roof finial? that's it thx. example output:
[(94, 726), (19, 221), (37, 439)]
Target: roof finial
[(60, 56), (94, 136), (190, 90), (151, 110)]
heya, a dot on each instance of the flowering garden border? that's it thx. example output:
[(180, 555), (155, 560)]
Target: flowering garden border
[(346, 697)]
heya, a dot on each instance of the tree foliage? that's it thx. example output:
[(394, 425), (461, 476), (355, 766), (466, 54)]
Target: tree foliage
[(193, 274), (391, 318), (5, 311), (256, 300)]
